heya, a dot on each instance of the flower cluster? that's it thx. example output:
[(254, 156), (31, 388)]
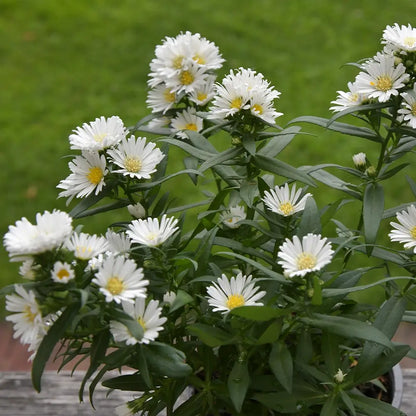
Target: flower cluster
[(249, 299)]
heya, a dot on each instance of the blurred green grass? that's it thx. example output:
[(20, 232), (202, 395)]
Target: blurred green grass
[(64, 63)]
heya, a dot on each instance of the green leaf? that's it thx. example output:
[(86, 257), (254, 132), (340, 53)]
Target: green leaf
[(248, 191), (271, 334), (279, 401), (277, 143), (128, 382), (317, 291), (335, 182), (281, 363), (258, 313), (192, 150), (182, 298), (330, 406), (311, 221), (283, 169), (348, 402), (343, 128), (52, 337), (166, 360), (373, 207), (373, 407), (210, 335), (238, 382), (348, 328), (220, 158)]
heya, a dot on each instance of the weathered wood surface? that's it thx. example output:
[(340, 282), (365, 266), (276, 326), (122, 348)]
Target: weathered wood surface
[(59, 396)]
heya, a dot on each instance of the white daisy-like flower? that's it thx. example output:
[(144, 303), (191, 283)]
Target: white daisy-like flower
[(150, 232), (136, 158), (205, 93), (382, 78), (28, 269), (118, 243), (400, 38), (192, 77), (233, 216), (24, 238), (360, 160), (240, 290), (86, 246), (88, 172), (159, 123), (301, 257), (120, 279), (160, 98), (405, 231), (62, 272), (187, 120), (409, 107), (99, 134), (285, 202), (147, 316), (244, 90), (136, 210), (26, 316), (348, 99)]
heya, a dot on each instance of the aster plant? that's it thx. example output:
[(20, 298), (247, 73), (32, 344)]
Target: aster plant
[(249, 300)]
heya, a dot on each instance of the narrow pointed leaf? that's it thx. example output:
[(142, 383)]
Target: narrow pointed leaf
[(238, 382), (281, 363), (373, 207)]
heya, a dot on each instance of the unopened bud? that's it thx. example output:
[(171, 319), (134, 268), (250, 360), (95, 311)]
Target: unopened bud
[(371, 171), (360, 161), (339, 376), (137, 210)]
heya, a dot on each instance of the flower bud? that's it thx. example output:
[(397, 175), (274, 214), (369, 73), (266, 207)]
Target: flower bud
[(360, 161), (371, 171), (339, 376), (137, 210)]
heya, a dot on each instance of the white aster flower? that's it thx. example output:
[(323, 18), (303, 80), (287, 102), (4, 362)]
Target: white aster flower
[(86, 246), (149, 232), (62, 272), (187, 120), (409, 107), (225, 294), (348, 99), (28, 323), (136, 158), (28, 269), (382, 78), (400, 38), (188, 79), (118, 243), (120, 279), (147, 316), (244, 90), (160, 98), (360, 160), (24, 238), (99, 134), (159, 123), (301, 257), (285, 202), (205, 93), (87, 176), (405, 231), (232, 216)]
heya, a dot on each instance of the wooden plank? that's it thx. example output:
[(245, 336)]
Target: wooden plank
[(59, 395)]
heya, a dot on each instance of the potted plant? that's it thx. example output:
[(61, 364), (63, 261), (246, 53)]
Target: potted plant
[(248, 296)]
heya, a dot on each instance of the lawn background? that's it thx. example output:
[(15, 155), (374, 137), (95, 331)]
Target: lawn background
[(67, 62)]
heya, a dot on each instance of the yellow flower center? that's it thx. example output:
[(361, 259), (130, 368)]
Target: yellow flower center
[(83, 252), (177, 62), (141, 323), (115, 285), (354, 97), (409, 40), (287, 208), (99, 137), (236, 102), (258, 108), (191, 126), (383, 83), (201, 96), (234, 301), (95, 175), (186, 78), (306, 261), (413, 232), (413, 109), (199, 59), (132, 164), (62, 274), (28, 314), (169, 96)]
